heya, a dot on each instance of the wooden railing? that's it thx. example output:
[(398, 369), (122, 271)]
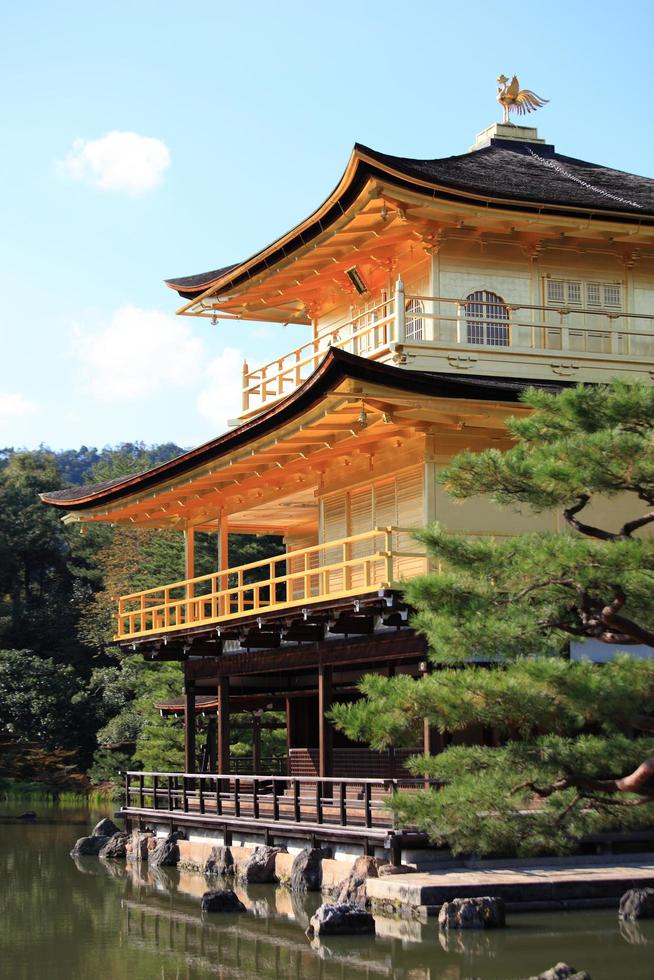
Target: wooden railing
[(365, 334), (346, 803), (355, 565), (454, 323)]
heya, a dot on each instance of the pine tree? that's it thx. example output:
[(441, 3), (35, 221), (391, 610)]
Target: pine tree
[(567, 762)]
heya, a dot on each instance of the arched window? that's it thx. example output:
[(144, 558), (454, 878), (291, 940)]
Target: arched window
[(487, 319), (413, 322)]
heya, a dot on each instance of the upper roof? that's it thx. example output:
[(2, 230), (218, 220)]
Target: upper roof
[(506, 174), (337, 366)]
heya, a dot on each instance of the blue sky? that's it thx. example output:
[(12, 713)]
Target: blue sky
[(254, 109)]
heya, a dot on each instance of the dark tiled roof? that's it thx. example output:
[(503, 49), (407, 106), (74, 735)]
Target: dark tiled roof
[(90, 489), (502, 174), (195, 282), (531, 172), (336, 366)]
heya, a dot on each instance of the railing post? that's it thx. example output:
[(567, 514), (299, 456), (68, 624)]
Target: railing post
[(170, 792), (237, 797), (343, 804), (318, 801), (275, 800), (296, 800), (141, 790), (128, 792), (155, 789), (367, 804), (246, 390), (400, 310), (388, 542)]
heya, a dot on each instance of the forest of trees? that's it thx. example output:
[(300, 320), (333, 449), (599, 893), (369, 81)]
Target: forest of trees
[(74, 709)]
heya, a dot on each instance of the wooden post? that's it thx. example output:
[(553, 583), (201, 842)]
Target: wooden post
[(256, 743), (189, 568), (223, 562), (223, 724), (212, 742), (325, 739), (189, 728), (288, 736), (400, 311)]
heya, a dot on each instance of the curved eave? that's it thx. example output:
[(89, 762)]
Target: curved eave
[(363, 166), (336, 367)]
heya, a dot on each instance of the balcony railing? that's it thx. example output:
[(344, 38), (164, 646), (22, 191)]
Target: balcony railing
[(352, 804), (355, 565), (451, 325)]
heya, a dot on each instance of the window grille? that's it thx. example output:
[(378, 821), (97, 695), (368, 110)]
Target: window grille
[(572, 292), (487, 319), (413, 321)]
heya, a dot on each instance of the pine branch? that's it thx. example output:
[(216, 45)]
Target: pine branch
[(593, 532)]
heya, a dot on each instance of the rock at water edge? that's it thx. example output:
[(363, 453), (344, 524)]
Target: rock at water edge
[(221, 901), (637, 903), (386, 870), (219, 862), (340, 919), (165, 854), (353, 889), (562, 971), (105, 828), (486, 912), (139, 845), (259, 869), (306, 870), (88, 846), (116, 847)]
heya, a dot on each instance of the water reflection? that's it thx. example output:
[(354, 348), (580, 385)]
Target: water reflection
[(87, 919)]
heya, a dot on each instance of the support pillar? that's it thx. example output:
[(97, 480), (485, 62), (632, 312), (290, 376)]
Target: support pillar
[(256, 743), (189, 570), (212, 742), (223, 725), (189, 728), (325, 732)]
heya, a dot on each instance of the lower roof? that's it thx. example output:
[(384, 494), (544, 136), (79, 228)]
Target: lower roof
[(336, 367)]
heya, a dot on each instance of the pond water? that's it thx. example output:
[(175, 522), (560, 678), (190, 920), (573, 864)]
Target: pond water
[(62, 920)]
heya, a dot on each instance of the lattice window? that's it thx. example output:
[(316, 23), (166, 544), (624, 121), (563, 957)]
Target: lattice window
[(414, 322), (487, 319), (574, 293)]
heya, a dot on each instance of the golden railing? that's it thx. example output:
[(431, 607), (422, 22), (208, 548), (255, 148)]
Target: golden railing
[(355, 565), (363, 334), (451, 323)]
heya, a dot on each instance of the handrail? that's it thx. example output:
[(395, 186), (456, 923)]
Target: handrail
[(257, 381), (529, 332), (358, 805), (309, 575)]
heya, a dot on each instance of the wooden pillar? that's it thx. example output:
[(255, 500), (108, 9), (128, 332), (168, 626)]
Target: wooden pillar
[(223, 724), (325, 733), (256, 743), (212, 742), (189, 728), (288, 736), (223, 561), (189, 565)]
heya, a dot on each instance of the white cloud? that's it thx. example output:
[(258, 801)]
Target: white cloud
[(14, 406), (220, 399), (118, 161), (137, 353)]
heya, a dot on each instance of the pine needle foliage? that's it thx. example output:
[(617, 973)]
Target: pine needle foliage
[(499, 615)]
